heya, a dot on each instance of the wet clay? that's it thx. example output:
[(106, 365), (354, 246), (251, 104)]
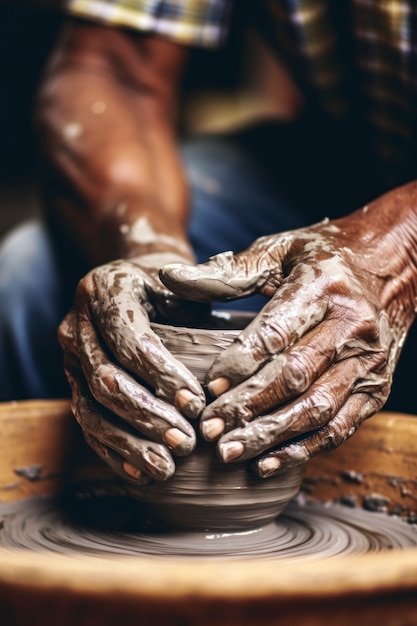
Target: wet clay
[(205, 493), (322, 351), (103, 528)]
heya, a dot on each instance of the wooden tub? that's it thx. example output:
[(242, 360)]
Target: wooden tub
[(41, 447)]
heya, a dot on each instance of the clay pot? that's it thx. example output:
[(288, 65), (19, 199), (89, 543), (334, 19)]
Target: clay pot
[(206, 494)]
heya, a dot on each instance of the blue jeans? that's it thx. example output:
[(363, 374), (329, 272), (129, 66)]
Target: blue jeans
[(242, 186)]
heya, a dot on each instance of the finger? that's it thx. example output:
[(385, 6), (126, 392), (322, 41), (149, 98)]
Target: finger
[(312, 411), (114, 389), (67, 332), (116, 462), (151, 460), (224, 277), (143, 353), (284, 377), (357, 408), (124, 325), (287, 317)]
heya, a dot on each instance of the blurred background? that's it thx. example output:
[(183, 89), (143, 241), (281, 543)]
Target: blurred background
[(223, 89), (26, 37), (226, 89)]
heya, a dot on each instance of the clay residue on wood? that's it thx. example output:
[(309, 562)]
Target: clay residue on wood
[(33, 473)]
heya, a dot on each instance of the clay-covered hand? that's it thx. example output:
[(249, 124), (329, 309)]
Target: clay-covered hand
[(319, 357), (129, 394)]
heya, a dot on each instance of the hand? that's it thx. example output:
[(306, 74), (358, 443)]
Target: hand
[(114, 187), (129, 393), (319, 358)]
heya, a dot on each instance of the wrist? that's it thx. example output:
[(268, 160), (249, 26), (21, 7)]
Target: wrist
[(384, 234), (130, 231)]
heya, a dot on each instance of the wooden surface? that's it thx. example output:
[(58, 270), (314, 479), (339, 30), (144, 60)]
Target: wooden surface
[(379, 460), (55, 589), (41, 449)]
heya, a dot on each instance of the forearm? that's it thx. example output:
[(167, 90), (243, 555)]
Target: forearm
[(106, 118), (384, 234)]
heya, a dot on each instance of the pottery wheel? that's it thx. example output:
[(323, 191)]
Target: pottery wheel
[(103, 528)]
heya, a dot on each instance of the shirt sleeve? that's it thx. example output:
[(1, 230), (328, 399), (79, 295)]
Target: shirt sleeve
[(200, 23)]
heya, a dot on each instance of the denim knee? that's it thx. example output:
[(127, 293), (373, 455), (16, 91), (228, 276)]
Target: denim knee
[(30, 311)]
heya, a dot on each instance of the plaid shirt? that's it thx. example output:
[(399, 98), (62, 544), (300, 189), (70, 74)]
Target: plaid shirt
[(343, 54), (195, 22)]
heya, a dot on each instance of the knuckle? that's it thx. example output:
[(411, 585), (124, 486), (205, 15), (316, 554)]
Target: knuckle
[(236, 417), (272, 335), (294, 377), (67, 330), (378, 361), (85, 285), (372, 402), (83, 412), (64, 332), (379, 370), (343, 426), (234, 413), (364, 323), (115, 438), (376, 377), (84, 289), (321, 407), (297, 454), (335, 435), (103, 380), (299, 370)]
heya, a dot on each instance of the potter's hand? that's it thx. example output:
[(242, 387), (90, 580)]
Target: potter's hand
[(129, 393), (319, 358), (113, 182)]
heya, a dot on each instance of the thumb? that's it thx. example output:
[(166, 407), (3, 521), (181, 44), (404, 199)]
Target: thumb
[(224, 277)]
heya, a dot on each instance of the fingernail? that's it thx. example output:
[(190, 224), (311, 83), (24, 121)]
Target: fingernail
[(268, 466), (219, 386), (174, 437), (268, 291), (131, 470), (189, 403), (184, 396), (212, 428), (231, 451)]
